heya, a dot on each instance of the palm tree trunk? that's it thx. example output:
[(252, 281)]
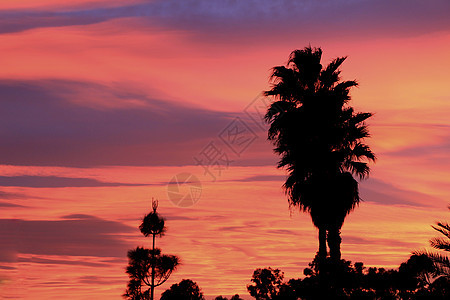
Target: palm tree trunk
[(334, 242), (322, 254)]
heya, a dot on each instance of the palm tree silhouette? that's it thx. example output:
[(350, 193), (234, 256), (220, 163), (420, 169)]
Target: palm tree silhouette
[(441, 261), (319, 138)]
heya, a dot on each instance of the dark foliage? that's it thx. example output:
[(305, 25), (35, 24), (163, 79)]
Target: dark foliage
[(235, 297), (413, 280), (140, 263), (185, 290), (153, 223), (266, 283)]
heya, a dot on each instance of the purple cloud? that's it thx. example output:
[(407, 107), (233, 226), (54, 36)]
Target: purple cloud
[(7, 204), (230, 18), (380, 192), (355, 240), (10, 196), (38, 260), (256, 178), (76, 235), (99, 280), (45, 127), (56, 182)]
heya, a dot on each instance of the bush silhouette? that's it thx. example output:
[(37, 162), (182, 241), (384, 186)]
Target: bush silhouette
[(185, 290)]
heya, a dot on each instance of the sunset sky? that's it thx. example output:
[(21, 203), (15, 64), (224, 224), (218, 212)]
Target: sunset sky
[(102, 103)]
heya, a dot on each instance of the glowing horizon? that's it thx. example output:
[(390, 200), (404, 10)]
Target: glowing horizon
[(103, 103)]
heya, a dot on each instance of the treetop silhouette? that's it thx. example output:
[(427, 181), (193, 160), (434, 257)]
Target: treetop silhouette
[(153, 223), (185, 290)]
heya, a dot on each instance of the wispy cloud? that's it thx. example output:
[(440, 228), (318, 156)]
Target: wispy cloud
[(7, 204), (47, 261), (77, 236), (56, 182), (41, 115), (384, 193), (356, 240), (11, 196), (227, 16)]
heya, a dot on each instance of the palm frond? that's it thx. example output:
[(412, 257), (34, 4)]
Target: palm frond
[(360, 169), (443, 228), (345, 85), (440, 243), (441, 262), (281, 73), (330, 75), (354, 133), (276, 108), (306, 63), (308, 55), (281, 91), (362, 151), (342, 90), (348, 192), (360, 117)]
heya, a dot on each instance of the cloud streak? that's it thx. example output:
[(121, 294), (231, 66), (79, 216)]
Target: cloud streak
[(7, 204), (379, 192), (226, 16), (74, 236), (56, 182), (12, 196), (42, 116)]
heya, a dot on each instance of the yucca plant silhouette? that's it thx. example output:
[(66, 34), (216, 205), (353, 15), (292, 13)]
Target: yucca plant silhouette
[(319, 139), (148, 268)]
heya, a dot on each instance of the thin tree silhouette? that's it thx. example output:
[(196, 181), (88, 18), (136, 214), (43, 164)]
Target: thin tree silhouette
[(148, 268), (319, 138)]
